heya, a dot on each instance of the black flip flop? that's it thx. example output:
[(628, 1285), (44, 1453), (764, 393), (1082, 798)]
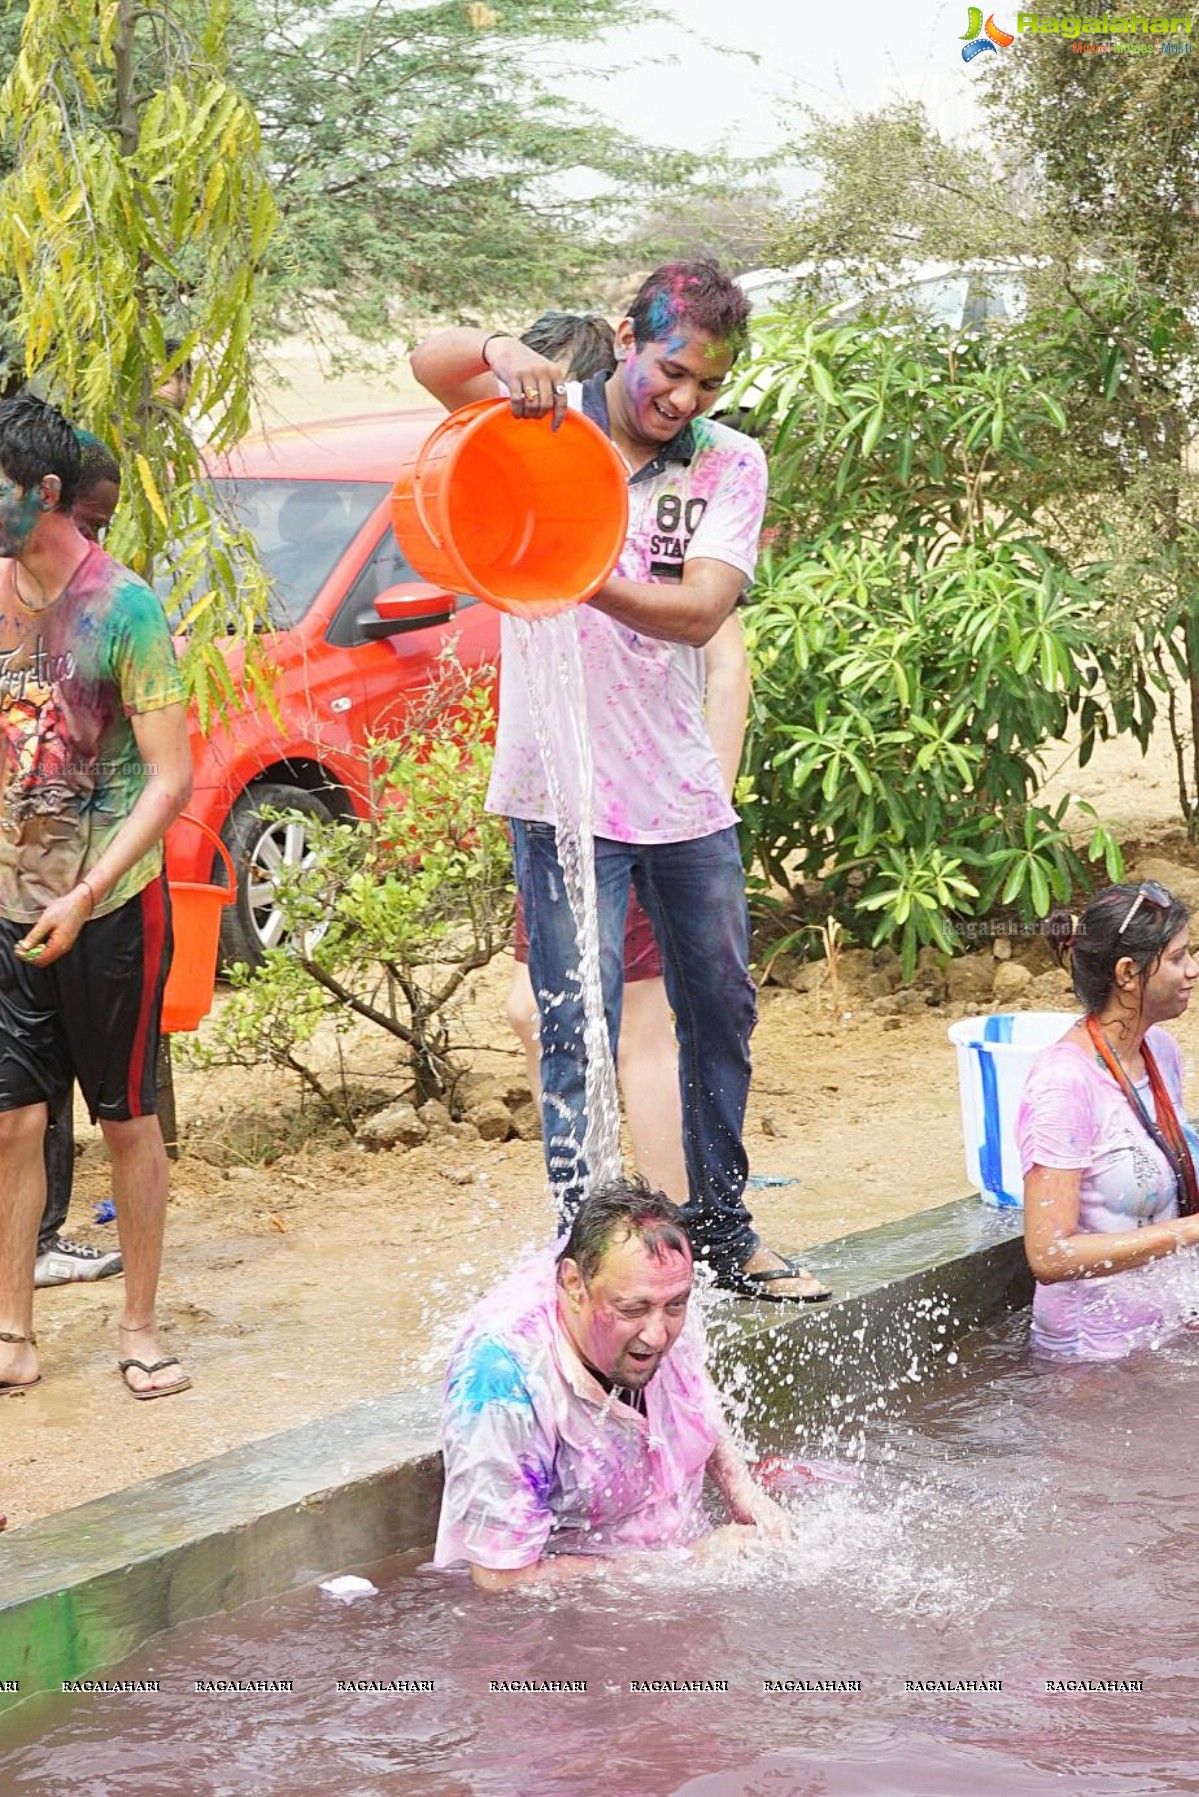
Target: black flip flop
[(152, 1391), (752, 1285)]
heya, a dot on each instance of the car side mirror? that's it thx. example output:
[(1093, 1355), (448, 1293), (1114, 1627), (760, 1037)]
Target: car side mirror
[(413, 605)]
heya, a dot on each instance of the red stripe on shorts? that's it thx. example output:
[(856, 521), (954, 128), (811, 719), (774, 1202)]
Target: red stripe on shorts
[(154, 928)]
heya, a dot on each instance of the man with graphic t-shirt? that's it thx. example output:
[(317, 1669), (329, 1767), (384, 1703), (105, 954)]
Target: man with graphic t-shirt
[(663, 820), (94, 766)]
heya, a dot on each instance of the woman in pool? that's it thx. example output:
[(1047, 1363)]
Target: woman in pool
[(1110, 1189)]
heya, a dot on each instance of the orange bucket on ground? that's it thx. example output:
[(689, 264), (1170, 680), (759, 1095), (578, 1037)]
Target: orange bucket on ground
[(530, 519), (196, 917)]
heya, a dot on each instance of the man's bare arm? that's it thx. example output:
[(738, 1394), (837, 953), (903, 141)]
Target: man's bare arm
[(464, 364), (691, 611), (727, 700), (559, 1569), (747, 1502)]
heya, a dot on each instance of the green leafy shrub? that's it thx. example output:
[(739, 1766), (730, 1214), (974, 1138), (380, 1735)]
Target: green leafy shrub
[(390, 915), (915, 637)]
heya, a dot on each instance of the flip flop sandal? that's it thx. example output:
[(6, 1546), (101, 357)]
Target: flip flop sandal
[(9, 1388), (153, 1391), (753, 1285)]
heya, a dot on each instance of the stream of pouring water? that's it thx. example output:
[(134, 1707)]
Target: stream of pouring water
[(552, 664)]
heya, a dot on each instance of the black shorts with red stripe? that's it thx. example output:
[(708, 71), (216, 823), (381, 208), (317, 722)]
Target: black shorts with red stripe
[(93, 1015)]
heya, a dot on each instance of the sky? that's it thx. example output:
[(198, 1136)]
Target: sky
[(838, 59)]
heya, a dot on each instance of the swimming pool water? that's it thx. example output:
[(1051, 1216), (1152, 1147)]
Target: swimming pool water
[(1023, 1531)]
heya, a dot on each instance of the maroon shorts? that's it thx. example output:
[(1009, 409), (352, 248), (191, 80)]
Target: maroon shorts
[(641, 958), (93, 1015)]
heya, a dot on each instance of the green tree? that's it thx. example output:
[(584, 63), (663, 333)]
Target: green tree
[(423, 164), (1111, 146), (134, 208), (885, 187), (1089, 179)]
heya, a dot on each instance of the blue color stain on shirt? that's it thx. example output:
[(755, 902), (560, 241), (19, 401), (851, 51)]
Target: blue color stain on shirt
[(489, 1376)]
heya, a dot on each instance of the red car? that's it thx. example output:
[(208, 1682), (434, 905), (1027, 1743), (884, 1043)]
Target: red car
[(357, 633)]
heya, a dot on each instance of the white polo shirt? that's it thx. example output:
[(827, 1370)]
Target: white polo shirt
[(656, 774)]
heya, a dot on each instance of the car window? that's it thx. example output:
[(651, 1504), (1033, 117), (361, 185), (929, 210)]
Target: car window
[(302, 528), (940, 300), (996, 296)]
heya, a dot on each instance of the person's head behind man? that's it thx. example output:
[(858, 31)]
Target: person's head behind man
[(582, 343), (175, 389), (99, 489), (624, 1276), (685, 328), (39, 468)]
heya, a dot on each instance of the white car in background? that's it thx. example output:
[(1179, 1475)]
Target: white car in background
[(959, 294)]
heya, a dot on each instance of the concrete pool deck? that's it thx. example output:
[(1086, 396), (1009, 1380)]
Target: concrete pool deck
[(84, 1588)]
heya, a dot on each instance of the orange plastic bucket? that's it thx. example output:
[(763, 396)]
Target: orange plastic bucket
[(530, 519), (196, 916)]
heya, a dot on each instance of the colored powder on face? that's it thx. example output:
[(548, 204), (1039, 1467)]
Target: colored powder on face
[(17, 517), (666, 321)]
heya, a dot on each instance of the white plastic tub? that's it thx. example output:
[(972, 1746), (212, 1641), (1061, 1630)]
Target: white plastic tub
[(994, 1056)]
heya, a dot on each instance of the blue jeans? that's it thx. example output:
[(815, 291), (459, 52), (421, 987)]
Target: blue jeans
[(694, 896)]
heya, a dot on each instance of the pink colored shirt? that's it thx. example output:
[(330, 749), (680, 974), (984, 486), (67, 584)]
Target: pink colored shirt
[(656, 774), (1074, 1115), (539, 1459)]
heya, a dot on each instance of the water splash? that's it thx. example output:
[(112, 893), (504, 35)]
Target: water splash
[(552, 664)]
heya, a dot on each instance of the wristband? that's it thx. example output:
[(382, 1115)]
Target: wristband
[(491, 339), (87, 887)]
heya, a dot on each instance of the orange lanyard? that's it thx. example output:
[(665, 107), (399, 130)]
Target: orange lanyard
[(1167, 1131)]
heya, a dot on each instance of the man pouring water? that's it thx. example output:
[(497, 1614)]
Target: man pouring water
[(579, 1422), (663, 820)]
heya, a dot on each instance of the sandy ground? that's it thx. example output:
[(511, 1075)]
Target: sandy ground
[(299, 383), (331, 1274)]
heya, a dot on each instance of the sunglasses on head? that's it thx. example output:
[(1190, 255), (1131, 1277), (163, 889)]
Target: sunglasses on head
[(1150, 893)]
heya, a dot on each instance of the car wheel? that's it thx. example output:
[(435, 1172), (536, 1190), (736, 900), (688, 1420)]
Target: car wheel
[(260, 846)]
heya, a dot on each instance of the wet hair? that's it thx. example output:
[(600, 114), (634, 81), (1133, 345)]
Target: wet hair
[(96, 463), (1092, 944), (696, 293), (617, 1210), (36, 440), (583, 342)]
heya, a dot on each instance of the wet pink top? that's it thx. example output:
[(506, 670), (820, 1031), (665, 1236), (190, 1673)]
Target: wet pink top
[(656, 774), (1073, 1114), (540, 1460)]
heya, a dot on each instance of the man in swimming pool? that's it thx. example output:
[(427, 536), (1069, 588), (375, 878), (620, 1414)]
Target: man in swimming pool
[(578, 1419)]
